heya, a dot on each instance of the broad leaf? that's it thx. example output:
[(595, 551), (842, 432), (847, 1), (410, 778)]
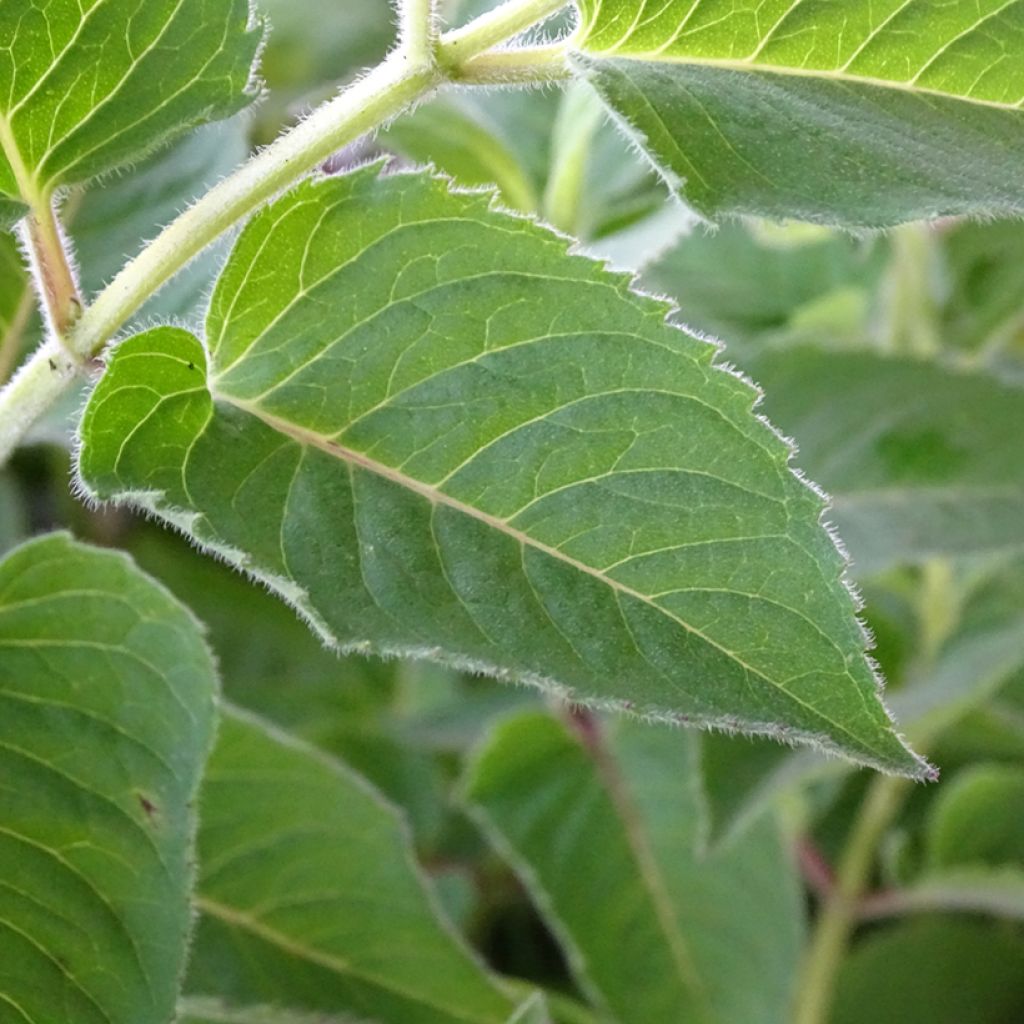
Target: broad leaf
[(920, 460), (981, 659), (310, 894), (606, 841), (271, 664), (93, 85), (858, 113), (108, 698), (435, 432)]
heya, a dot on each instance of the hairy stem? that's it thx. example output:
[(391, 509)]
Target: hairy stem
[(51, 268), (32, 390), (579, 118), (420, 65), (528, 65), (841, 909), (385, 92), (494, 27), (418, 29)]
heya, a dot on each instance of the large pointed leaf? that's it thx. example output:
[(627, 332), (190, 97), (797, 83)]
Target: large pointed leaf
[(606, 840), (311, 898), (865, 112), (435, 432), (88, 85), (108, 695)]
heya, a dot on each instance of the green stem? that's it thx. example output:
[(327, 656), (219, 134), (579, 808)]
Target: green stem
[(913, 321), (579, 117), (420, 66), (528, 65), (34, 389), (840, 913), (495, 27), (385, 92), (418, 34)]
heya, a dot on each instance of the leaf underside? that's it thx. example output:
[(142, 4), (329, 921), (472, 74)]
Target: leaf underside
[(89, 86), (108, 713), (863, 113), (437, 433)]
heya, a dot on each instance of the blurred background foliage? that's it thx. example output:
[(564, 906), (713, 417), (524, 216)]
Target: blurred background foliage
[(895, 362)]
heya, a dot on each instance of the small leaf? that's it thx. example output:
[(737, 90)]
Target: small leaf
[(856, 113), (934, 971), (455, 137), (606, 840), (91, 86), (437, 433), (978, 818), (311, 896), (108, 697)]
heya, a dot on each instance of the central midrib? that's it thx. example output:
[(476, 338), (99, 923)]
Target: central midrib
[(438, 497), (751, 67)]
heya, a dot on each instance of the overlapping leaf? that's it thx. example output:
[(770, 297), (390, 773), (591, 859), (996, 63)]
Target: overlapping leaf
[(311, 898), (861, 113), (921, 460), (606, 841), (435, 432), (89, 86), (108, 712)]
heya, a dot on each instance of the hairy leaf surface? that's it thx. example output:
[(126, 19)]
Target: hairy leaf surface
[(108, 712), (89, 85), (437, 433), (713, 939), (310, 894), (862, 112)]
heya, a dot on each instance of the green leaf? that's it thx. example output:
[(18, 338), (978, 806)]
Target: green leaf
[(533, 1011), (858, 113), (934, 971), (455, 137), (982, 657), (435, 432), (91, 86), (984, 311), (115, 218), (311, 897), (749, 284), (605, 837), (213, 1011), (13, 519), (971, 890), (978, 818), (109, 708), (920, 459)]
